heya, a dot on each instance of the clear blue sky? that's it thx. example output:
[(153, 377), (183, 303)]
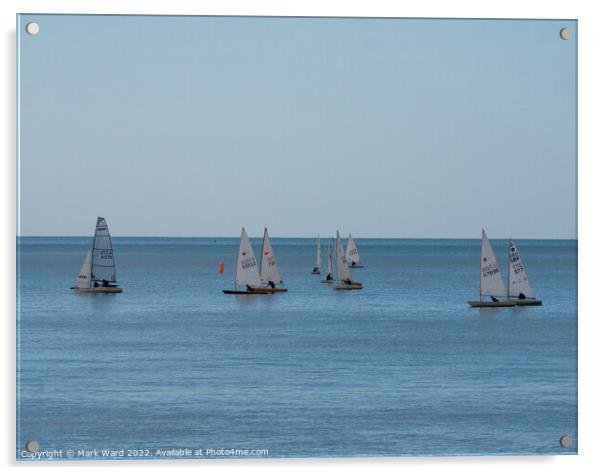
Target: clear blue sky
[(195, 126)]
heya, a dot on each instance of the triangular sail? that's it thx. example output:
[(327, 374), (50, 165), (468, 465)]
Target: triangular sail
[(518, 281), (318, 255), (103, 263), (83, 280), (491, 277), (247, 272), (352, 256), (343, 272), (269, 268)]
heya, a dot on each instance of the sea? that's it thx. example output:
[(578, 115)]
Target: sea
[(174, 368)]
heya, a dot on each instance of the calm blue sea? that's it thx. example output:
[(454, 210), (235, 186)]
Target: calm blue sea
[(402, 367)]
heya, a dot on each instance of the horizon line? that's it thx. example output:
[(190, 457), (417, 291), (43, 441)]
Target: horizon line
[(298, 237)]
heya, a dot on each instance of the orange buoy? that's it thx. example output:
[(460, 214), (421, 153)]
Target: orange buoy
[(220, 267)]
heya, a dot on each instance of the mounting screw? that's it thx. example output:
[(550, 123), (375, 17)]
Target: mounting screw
[(566, 441), (565, 33), (32, 446), (32, 28)]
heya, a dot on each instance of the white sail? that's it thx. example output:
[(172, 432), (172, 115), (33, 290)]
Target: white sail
[(318, 255), (268, 270), (247, 272), (518, 281), (83, 280), (343, 272), (352, 255), (103, 263), (491, 277), (330, 257)]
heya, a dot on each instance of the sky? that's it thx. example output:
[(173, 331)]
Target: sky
[(197, 126)]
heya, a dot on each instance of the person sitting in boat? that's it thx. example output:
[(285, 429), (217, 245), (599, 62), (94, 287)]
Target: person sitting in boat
[(522, 296), (353, 263), (271, 284), (493, 299), (105, 283), (315, 271), (249, 288), (329, 276), (95, 283), (347, 281)]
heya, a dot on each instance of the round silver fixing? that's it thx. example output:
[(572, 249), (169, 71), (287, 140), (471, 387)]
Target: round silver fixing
[(32, 28), (565, 33), (566, 441), (32, 446)]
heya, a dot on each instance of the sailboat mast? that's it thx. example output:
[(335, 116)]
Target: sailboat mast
[(508, 290), (265, 231), (92, 254), (330, 266), (112, 255), (237, 257), (481, 270)]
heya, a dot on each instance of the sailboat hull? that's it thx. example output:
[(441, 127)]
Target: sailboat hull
[(352, 286), (246, 292), (485, 303), (356, 267), (99, 290), (315, 272), (526, 302), (274, 290), (331, 281)]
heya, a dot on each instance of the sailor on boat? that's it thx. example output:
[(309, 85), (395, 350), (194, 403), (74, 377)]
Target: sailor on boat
[(271, 284), (329, 277), (103, 283)]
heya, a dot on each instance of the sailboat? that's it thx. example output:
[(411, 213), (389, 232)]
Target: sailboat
[(316, 269), (330, 276), (268, 269), (343, 272), (519, 289), (352, 255), (492, 284), (247, 274), (97, 274)]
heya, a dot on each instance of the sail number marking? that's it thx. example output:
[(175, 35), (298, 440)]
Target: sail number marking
[(106, 254), (248, 262), (517, 265), (490, 269), (518, 268)]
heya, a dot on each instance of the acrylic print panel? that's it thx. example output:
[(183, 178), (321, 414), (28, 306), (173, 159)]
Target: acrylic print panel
[(147, 143)]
